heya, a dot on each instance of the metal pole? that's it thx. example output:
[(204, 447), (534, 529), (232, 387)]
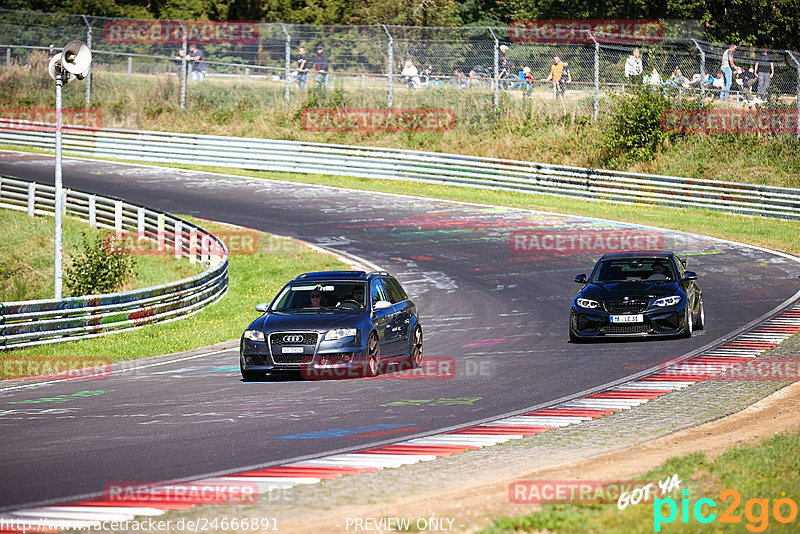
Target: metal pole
[(391, 62), (185, 49), (596, 99), (130, 66), (703, 79), (57, 250), (496, 71), (288, 63), (797, 66), (8, 56), (89, 77)]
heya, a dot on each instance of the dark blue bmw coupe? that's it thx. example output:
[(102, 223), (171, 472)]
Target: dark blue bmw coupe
[(333, 324), (637, 294)]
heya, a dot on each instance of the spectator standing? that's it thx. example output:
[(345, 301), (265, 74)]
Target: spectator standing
[(199, 63), (566, 77), (529, 80), (411, 75), (678, 79), (322, 68), (506, 68), (727, 69), (634, 68), (302, 68), (765, 70), (428, 76), (556, 73)]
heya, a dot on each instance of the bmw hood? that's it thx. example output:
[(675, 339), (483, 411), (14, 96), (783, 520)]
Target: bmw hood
[(318, 322), (618, 290)]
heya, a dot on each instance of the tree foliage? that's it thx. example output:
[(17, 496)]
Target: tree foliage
[(771, 23)]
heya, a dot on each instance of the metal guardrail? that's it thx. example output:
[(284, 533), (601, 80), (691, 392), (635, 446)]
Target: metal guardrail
[(412, 165), (37, 322)]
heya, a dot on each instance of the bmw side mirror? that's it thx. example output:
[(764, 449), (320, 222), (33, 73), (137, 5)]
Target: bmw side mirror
[(689, 275), (262, 307), (382, 305), (580, 279)]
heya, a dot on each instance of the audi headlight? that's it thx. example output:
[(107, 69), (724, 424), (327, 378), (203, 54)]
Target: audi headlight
[(254, 335), (339, 333), (667, 301), (587, 303)]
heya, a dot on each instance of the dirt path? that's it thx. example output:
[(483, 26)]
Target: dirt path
[(473, 506)]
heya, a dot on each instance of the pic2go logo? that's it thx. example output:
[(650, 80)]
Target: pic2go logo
[(756, 511)]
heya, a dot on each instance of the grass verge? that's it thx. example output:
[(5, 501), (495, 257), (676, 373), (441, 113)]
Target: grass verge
[(252, 279), (533, 129), (766, 478), (26, 265)]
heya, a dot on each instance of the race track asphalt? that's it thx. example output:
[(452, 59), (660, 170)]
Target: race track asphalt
[(499, 314)]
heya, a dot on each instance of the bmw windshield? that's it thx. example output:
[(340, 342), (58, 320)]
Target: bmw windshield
[(633, 270), (321, 296)]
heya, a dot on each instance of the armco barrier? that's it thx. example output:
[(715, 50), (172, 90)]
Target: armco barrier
[(397, 164), (36, 322)]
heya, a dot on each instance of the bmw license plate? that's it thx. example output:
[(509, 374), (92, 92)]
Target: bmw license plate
[(639, 318), (292, 350)]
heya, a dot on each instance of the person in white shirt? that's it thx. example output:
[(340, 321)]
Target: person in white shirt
[(633, 67), (410, 75)]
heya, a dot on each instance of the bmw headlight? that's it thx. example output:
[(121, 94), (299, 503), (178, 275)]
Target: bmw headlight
[(667, 301), (254, 335), (339, 333), (587, 303)]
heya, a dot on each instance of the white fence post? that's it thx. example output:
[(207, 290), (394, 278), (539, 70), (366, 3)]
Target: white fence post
[(390, 66), (118, 217), (160, 232), (797, 65), (178, 239), (192, 245), (184, 66), (140, 222), (31, 199), (92, 211), (204, 241), (288, 64), (89, 77), (496, 70)]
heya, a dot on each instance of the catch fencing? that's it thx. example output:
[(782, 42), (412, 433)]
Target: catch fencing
[(47, 321), (412, 165), (474, 70)]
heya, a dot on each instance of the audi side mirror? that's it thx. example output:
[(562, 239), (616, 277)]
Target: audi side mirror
[(580, 279), (382, 305), (262, 307), (689, 275)]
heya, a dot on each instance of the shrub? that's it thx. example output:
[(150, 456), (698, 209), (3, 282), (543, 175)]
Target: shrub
[(634, 133), (100, 267)]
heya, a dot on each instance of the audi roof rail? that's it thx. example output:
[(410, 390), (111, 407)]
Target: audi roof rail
[(377, 273)]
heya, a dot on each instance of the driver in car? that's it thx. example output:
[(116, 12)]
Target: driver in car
[(358, 295), (659, 272), (316, 300)]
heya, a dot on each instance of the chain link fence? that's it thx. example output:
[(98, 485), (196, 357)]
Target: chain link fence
[(478, 72)]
